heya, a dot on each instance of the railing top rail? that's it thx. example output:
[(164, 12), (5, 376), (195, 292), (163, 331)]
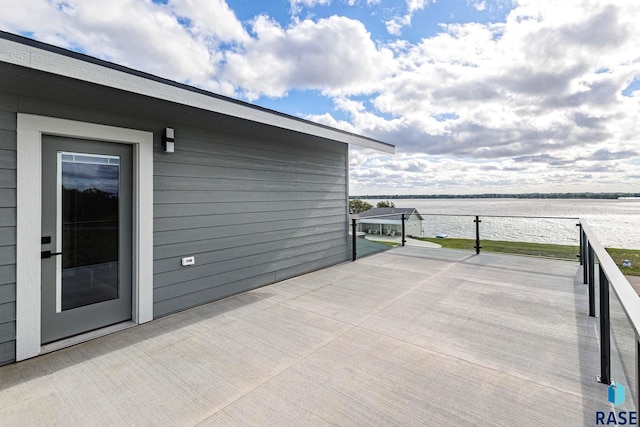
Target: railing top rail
[(379, 216), (627, 296), (503, 216)]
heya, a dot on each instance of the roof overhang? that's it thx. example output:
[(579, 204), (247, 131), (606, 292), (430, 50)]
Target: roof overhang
[(39, 56), (380, 221)]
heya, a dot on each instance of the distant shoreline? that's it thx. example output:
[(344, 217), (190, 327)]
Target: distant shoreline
[(611, 196)]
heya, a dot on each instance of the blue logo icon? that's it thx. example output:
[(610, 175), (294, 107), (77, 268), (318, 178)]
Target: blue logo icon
[(616, 394)]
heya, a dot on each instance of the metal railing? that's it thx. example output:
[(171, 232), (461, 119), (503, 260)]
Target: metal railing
[(476, 234), (609, 277), (355, 234), (611, 298)]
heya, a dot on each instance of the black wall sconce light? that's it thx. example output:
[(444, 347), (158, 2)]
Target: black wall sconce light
[(168, 140)]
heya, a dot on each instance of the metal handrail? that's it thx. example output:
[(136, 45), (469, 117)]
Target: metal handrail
[(360, 218), (627, 296), (500, 216)]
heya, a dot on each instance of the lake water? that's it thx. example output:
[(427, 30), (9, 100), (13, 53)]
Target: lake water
[(615, 222)]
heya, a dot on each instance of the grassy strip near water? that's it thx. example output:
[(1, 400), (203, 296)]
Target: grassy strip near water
[(620, 255), (567, 252)]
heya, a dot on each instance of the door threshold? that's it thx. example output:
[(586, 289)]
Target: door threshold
[(87, 336)]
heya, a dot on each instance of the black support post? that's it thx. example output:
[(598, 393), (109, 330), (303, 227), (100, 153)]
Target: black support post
[(477, 246), (580, 237), (403, 231), (605, 331), (592, 285), (585, 261), (637, 378), (353, 239), (591, 267)]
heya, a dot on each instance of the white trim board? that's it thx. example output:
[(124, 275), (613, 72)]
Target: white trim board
[(13, 52), (30, 129)]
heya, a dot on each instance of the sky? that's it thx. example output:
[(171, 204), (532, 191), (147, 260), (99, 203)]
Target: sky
[(478, 96)]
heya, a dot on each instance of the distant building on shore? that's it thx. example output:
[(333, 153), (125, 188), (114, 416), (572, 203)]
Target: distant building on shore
[(388, 221)]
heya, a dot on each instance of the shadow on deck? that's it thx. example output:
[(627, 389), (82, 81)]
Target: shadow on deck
[(410, 336)]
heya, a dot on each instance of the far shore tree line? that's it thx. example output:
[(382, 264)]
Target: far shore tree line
[(503, 196)]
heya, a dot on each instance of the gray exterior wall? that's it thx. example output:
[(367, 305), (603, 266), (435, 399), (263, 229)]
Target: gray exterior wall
[(251, 211), (7, 235), (254, 204)]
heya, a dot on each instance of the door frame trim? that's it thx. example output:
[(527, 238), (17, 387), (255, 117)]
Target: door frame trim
[(30, 129)]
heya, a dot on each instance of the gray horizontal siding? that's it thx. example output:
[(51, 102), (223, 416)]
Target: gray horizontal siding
[(162, 183), (7, 256), (7, 312), (246, 175), (7, 197), (196, 247), (7, 332), (254, 204), (278, 161), (281, 200), (219, 250), (251, 212), (7, 293), (293, 147), (204, 220), (228, 287), (8, 121), (7, 234), (7, 352), (284, 228), (7, 178), (7, 159), (178, 282), (209, 207)]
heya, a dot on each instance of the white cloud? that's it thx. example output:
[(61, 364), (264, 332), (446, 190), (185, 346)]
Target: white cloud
[(535, 100), (529, 96), (480, 5), (297, 5), (395, 24), (178, 40), (334, 55), (211, 19)]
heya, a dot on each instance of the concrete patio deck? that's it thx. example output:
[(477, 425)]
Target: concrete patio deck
[(411, 336)]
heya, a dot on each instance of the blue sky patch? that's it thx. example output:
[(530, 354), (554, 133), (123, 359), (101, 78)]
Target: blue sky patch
[(633, 86), (445, 116), (314, 104)]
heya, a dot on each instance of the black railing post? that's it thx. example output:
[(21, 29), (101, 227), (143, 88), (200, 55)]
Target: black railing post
[(580, 237), (592, 285), (353, 239), (585, 262), (477, 246), (592, 269), (403, 231), (637, 378), (605, 331)]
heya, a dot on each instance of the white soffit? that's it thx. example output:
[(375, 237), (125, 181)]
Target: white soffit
[(25, 55)]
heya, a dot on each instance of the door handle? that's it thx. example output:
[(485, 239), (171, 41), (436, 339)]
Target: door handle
[(48, 254)]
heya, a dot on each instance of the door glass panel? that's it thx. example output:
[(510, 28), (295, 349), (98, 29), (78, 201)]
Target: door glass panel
[(88, 202)]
